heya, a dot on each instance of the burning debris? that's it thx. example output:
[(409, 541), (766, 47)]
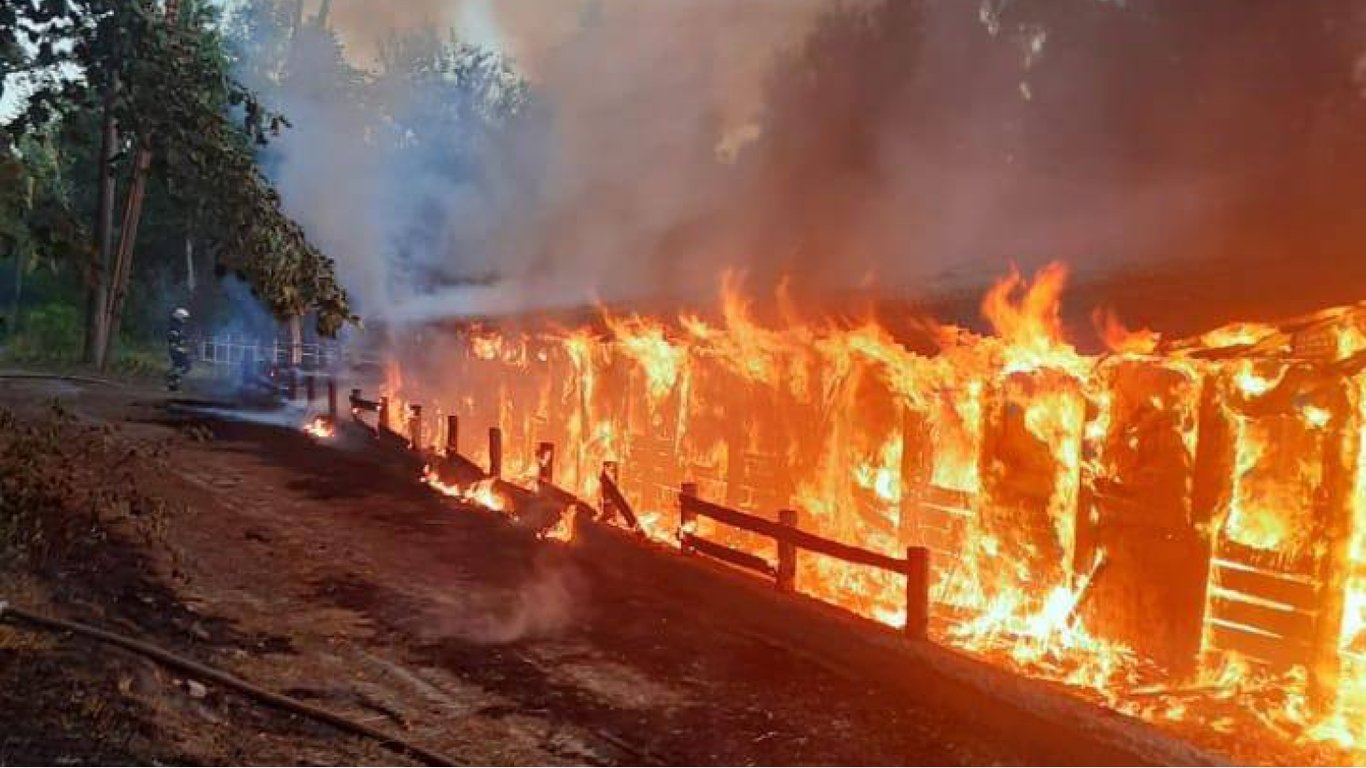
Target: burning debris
[(1179, 528), (320, 427)]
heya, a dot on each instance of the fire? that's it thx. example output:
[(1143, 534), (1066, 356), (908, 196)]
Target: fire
[(563, 530), (1048, 483), (481, 493), (1121, 340), (1237, 335), (320, 427)]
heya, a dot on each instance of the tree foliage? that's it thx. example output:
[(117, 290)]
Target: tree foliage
[(175, 94)]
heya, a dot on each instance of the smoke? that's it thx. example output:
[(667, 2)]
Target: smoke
[(918, 146), (546, 602)]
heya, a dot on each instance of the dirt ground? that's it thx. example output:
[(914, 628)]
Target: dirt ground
[(328, 572)]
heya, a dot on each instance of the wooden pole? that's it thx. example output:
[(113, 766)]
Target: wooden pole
[(452, 434), (613, 473), (383, 412), (495, 452), (787, 553), (415, 427), (687, 518), (293, 384), (311, 388), (332, 399), (917, 593), (545, 463)]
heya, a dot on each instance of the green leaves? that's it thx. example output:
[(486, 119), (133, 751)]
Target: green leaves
[(177, 92)]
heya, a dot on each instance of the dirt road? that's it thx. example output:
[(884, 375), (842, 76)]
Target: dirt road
[(330, 573)]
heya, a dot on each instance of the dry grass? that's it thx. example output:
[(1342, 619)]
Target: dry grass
[(64, 483)]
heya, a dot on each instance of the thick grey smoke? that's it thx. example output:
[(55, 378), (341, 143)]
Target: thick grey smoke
[(919, 146)]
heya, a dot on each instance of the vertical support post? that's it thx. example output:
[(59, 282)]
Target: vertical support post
[(612, 471), (293, 383), (915, 471), (687, 519), (355, 396), (917, 592), (383, 412), (1335, 509), (495, 452), (332, 399), (311, 388), (415, 427), (452, 434), (787, 553), (545, 463)]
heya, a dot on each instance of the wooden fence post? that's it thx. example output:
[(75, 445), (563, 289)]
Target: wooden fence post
[(332, 399), (495, 452), (609, 510), (415, 427), (293, 383), (687, 519), (383, 412), (787, 553), (545, 463), (452, 435), (917, 592), (311, 388)]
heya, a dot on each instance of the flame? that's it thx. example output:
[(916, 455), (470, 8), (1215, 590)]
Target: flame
[(481, 493), (564, 529), (1237, 335), (991, 452), (1121, 340), (320, 427)]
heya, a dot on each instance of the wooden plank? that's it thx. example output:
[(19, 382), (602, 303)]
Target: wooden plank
[(619, 503), (729, 556), (1263, 559), (561, 496), (807, 541), (1277, 651), (1286, 623), (1296, 592), (946, 497)]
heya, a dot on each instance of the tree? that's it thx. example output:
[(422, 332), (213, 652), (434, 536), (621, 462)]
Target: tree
[(170, 106)]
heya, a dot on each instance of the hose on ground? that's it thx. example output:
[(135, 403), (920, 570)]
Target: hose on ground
[(194, 669), (62, 377)]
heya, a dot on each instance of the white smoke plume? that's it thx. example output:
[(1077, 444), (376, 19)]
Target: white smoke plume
[(916, 145)]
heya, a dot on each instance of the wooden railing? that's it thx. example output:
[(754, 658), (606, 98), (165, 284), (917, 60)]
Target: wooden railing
[(788, 539), (786, 534)]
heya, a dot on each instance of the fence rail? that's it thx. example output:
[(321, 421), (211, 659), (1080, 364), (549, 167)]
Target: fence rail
[(231, 350), (789, 539)]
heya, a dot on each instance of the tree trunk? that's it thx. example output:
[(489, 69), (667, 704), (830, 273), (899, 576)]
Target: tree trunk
[(123, 258), (18, 293), (96, 310), (132, 216), (189, 264)]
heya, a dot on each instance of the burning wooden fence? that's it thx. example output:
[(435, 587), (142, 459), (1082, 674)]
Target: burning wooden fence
[(1135, 519)]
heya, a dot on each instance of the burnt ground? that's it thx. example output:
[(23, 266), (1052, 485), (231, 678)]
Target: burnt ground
[(329, 573)]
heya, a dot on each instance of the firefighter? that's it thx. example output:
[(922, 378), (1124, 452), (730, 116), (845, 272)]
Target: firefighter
[(177, 346)]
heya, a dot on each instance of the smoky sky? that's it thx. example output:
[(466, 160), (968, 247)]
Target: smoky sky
[(1190, 161)]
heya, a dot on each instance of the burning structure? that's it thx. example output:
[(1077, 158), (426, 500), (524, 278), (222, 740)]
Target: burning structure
[(1178, 528)]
